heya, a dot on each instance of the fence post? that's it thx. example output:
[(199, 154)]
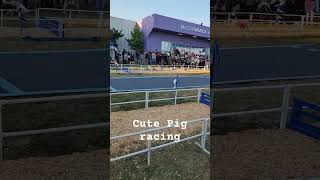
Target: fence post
[(146, 100), (285, 107), (175, 97), (1, 18), (199, 95), (229, 17), (149, 152), (1, 135), (204, 133)]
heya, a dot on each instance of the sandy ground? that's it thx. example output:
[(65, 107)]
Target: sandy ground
[(121, 122), (78, 166), (265, 154)]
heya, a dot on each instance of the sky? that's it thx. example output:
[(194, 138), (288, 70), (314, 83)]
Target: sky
[(195, 11)]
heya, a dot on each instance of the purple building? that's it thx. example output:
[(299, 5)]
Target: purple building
[(165, 34)]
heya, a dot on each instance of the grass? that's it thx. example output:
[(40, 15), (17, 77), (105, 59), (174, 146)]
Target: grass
[(187, 161), (12, 44)]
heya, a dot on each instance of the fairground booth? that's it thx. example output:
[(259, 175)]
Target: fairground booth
[(166, 34)]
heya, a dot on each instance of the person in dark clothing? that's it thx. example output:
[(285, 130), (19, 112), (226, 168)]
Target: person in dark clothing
[(123, 54)]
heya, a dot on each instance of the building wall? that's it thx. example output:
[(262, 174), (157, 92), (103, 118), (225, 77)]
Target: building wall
[(126, 26), (155, 38)]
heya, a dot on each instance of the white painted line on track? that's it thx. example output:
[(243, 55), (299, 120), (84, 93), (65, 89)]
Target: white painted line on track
[(313, 50), (267, 79), (29, 93), (9, 87), (112, 89)]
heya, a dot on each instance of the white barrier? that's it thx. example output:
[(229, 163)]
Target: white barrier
[(269, 18), (147, 98), (283, 109), (50, 130), (137, 67), (204, 133)]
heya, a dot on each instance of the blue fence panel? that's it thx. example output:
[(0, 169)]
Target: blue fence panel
[(298, 113)]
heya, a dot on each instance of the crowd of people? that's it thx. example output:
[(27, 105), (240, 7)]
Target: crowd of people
[(161, 58)]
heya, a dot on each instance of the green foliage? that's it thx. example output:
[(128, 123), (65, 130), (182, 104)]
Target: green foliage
[(136, 42), (116, 34)]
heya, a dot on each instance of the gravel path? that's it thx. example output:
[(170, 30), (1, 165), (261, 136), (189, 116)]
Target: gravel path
[(265, 154), (78, 166)]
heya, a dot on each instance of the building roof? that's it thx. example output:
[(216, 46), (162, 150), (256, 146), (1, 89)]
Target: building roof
[(159, 22)]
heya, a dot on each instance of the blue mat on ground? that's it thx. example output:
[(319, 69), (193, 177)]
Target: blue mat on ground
[(54, 26), (299, 113)]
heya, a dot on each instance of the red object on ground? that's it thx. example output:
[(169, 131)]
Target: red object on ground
[(242, 24)]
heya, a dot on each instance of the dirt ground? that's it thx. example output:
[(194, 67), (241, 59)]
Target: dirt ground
[(121, 122), (265, 154), (78, 166)]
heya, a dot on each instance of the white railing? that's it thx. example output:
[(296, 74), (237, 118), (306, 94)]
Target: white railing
[(204, 130), (50, 130), (147, 98), (157, 67), (228, 17), (33, 16), (204, 133), (283, 109)]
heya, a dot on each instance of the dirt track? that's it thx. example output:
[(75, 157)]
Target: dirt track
[(265, 154), (78, 166)]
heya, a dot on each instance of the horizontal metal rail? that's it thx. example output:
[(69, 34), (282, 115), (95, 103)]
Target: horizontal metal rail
[(147, 97), (150, 148), (4, 102), (285, 106)]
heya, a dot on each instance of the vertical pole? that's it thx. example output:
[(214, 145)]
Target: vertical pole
[(229, 17), (284, 107), (199, 95), (70, 14), (204, 134), (1, 18), (175, 97), (1, 135), (149, 151), (146, 100)]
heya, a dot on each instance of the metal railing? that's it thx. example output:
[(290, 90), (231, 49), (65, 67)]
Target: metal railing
[(9, 18), (204, 130), (147, 98), (158, 67), (283, 109), (50, 130), (204, 133), (251, 17)]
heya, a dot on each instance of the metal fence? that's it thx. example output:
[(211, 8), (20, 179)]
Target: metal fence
[(204, 130), (75, 20), (204, 133), (50, 130), (137, 67), (251, 17), (147, 94), (283, 109)]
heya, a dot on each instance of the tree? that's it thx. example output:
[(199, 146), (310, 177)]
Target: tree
[(136, 42), (116, 34)]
